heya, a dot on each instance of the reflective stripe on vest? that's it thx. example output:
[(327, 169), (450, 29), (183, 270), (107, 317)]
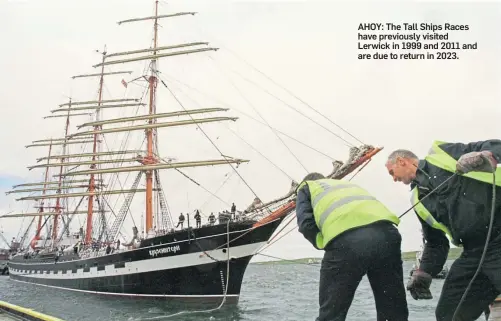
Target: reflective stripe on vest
[(339, 206), (327, 189), (317, 196), (426, 216), (437, 157)]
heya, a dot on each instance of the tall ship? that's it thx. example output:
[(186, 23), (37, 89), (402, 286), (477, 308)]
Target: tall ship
[(78, 239)]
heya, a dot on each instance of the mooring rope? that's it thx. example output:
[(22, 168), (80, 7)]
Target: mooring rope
[(225, 286)]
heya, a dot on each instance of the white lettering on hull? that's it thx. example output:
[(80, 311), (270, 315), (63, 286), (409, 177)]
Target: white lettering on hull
[(164, 250)]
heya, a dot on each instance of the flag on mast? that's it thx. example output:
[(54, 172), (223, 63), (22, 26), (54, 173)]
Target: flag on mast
[(124, 83)]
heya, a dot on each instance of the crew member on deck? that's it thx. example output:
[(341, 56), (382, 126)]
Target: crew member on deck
[(460, 209), (359, 237), (212, 219), (198, 219), (181, 221), (233, 210)]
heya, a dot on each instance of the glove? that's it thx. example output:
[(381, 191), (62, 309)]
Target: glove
[(319, 241), (477, 161), (419, 285)]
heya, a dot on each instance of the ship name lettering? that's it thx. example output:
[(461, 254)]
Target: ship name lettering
[(168, 249)]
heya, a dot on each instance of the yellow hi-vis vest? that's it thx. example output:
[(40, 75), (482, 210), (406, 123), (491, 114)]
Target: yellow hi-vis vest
[(426, 216), (437, 157), (339, 206)]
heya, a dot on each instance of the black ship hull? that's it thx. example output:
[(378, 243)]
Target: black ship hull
[(184, 265)]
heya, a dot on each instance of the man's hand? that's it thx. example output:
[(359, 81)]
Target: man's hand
[(419, 285), (477, 161)]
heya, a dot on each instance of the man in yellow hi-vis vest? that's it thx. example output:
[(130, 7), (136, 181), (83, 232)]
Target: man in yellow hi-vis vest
[(359, 237), (459, 209)]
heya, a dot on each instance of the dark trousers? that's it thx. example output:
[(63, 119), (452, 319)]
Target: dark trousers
[(485, 288), (373, 250)]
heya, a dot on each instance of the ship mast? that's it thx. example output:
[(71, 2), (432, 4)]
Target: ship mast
[(151, 131), (92, 186), (150, 162), (58, 200), (151, 128), (41, 209)]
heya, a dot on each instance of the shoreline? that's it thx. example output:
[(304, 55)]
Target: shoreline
[(406, 256)]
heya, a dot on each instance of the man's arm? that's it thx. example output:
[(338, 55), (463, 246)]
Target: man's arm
[(456, 150), (436, 249), (305, 218)]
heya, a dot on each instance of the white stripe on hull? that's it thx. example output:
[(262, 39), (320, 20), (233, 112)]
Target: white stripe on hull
[(142, 266), (243, 231), (136, 295)]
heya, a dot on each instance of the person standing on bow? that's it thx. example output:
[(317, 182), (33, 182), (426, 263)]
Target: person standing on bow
[(181, 221), (212, 219), (233, 210), (198, 219), (359, 237), (460, 209)]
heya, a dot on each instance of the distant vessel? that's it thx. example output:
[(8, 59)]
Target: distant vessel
[(4, 258), (314, 261), (6, 254)]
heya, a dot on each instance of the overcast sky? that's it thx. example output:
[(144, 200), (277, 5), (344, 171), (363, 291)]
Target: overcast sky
[(309, 47)]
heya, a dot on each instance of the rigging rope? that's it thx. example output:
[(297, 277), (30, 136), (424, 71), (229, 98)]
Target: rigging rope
[(259, 114), (212, 142), (249, 116), (213, 194), (115, 178), (217, 190), (277, 84), (486, 246), (270, 244), (287, 260), (261, 154), (292, 94), (200, 185), (288, 105), (360, 169), (252, 147)]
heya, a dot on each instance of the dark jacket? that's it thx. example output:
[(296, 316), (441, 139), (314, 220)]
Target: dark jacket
[(304, 215), (463, 205)]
